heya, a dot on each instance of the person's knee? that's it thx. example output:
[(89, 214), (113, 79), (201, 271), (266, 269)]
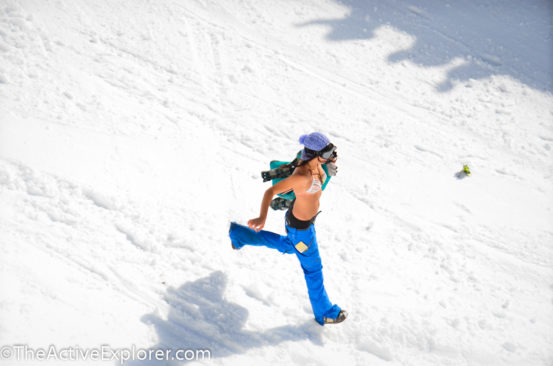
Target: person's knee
[(312, 267)]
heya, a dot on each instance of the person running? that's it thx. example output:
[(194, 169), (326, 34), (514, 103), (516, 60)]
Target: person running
[(306, 182)]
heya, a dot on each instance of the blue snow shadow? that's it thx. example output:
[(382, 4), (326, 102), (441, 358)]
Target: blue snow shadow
[(200, 319), (491, 38)]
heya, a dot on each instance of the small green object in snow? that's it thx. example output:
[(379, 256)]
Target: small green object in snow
[(463, 173)]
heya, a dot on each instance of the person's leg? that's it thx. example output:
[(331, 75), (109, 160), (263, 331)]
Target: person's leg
[(241, 235), (308, 255)]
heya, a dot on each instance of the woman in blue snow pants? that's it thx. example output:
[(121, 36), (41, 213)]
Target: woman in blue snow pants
[(306, 182)]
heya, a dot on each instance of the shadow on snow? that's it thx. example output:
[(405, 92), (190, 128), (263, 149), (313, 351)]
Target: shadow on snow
[(490, 37), (200, 319)]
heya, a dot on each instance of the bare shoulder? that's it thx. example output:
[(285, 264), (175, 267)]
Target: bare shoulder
[(301, 172), (302, 177), (298, 182)]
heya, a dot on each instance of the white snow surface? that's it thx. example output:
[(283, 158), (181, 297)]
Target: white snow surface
[(133, 132)]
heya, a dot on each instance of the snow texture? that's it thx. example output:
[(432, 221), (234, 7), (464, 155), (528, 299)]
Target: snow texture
[(133, 132)]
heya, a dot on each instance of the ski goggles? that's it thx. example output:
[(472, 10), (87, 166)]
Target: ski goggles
[(328, 152)]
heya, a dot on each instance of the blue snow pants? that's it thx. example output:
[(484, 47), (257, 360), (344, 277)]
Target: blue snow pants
[(304, 244)]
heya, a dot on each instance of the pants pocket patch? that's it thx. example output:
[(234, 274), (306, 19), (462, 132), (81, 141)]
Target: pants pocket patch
[(301, 247)]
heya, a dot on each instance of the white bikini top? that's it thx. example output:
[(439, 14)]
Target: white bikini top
[(316, 184)]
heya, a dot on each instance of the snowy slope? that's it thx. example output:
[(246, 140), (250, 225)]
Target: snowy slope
[(133, 132)]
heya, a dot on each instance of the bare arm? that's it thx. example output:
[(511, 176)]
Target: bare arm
[(294, 182)]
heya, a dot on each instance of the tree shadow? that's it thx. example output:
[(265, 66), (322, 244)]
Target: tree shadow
[(200, 319), (484, 38)]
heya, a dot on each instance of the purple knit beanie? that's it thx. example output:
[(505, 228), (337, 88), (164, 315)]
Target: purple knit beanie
[(314, 141)]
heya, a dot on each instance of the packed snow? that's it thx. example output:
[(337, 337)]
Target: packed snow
[(133, 132)]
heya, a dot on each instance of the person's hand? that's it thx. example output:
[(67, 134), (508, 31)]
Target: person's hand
[(256, 224)]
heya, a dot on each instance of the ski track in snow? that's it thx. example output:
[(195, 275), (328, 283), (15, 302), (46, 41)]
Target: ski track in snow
[(131, 134)]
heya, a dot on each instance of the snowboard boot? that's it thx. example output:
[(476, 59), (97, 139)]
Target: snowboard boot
[(340, 318)]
